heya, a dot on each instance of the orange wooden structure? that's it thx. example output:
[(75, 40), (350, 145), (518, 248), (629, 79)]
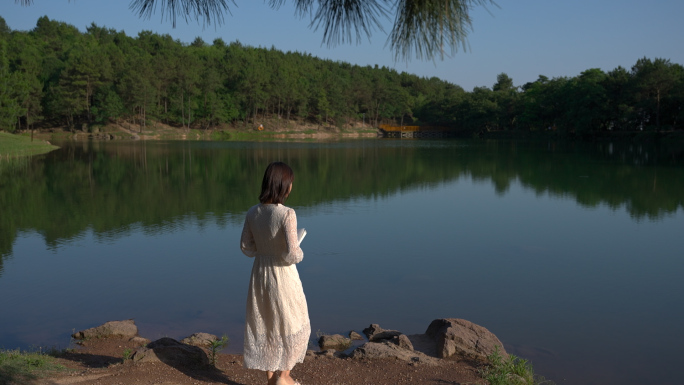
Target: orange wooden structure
[(413, 131)]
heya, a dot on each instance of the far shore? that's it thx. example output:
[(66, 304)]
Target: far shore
[(160, 131)]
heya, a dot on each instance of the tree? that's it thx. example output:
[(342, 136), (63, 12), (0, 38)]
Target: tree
[(543, 103), (11, 91), (4, 28), (480, 110), (620, 99), (506, 97), (25, 62), (503, 83), (422, 28), (586, 104), (135, 84), (654, 79)]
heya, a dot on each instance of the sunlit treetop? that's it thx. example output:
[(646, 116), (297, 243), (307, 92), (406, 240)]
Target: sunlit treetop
[(425, 29)]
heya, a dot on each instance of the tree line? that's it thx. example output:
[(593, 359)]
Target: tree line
[(57, 76)]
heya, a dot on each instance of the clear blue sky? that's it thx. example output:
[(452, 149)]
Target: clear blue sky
[(523, 38)]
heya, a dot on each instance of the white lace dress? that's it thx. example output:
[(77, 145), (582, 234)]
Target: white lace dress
[(277, 329)]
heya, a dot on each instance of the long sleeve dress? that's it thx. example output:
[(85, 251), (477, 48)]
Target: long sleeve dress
[(277, 329)]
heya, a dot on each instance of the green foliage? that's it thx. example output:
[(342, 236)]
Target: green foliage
[(509, 371), (423, 28), (19, 367), (55, 75), (216, 346), (127, 354)]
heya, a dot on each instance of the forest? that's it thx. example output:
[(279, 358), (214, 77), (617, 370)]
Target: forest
[(55, 76)]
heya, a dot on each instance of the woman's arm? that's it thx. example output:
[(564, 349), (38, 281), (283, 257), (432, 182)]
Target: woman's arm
[(247, 244), (294, 253)]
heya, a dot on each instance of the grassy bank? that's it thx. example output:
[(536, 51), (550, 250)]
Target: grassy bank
[(20, 367), (12, 146)]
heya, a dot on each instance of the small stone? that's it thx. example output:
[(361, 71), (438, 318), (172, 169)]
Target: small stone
[(140, 341), (202, 340), (372, 330), (375, 333), (327, 353), (335, 341), (402, 341), (373, 350), (126, 329), (354, 336)]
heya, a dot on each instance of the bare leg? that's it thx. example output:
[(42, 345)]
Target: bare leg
[(285, 379), (272, 378)]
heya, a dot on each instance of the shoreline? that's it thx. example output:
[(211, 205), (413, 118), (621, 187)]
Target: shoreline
[(672, 140), (159, 131), (114, 353)]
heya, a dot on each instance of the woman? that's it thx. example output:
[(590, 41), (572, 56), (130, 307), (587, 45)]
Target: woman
[(277, 329)]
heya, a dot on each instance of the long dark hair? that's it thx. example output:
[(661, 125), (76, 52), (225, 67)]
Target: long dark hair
[(276, 183)]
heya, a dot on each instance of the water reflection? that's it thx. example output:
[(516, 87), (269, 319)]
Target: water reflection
[(115, 187)]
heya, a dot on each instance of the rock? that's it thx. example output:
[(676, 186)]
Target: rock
[(354, 336), (202, 340), (375, 333), (454, 336), (334, 341), (140, 341), (402, 341), (424, 344), (387, 349), (171, 352), (386, 335), (372, 330), (125, 329), (328, 353)]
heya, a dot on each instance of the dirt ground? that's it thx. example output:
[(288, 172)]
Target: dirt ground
[(101, 362)]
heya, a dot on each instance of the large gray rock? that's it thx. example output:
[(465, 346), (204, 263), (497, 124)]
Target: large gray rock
[(171, 352), (455, 336), (123, 329), (424, 344), (386, 349), (375, 333)]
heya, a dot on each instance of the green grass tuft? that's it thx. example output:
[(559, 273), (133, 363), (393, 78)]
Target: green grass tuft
[(127, 354), (510, 371)]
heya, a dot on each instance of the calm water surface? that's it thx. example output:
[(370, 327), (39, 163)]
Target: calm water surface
[(570, 254)]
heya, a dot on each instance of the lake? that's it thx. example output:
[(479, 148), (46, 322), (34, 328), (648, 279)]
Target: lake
[(571, 253)]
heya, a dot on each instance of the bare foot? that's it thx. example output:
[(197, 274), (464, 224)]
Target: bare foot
[(285, 381)]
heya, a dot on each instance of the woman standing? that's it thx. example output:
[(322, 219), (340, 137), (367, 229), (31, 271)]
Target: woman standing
[(277, 329)]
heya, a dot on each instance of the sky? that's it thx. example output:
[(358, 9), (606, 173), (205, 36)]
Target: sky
[(522, 38)]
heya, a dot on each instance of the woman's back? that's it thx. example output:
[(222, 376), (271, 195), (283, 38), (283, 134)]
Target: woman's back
[(269, 225)]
